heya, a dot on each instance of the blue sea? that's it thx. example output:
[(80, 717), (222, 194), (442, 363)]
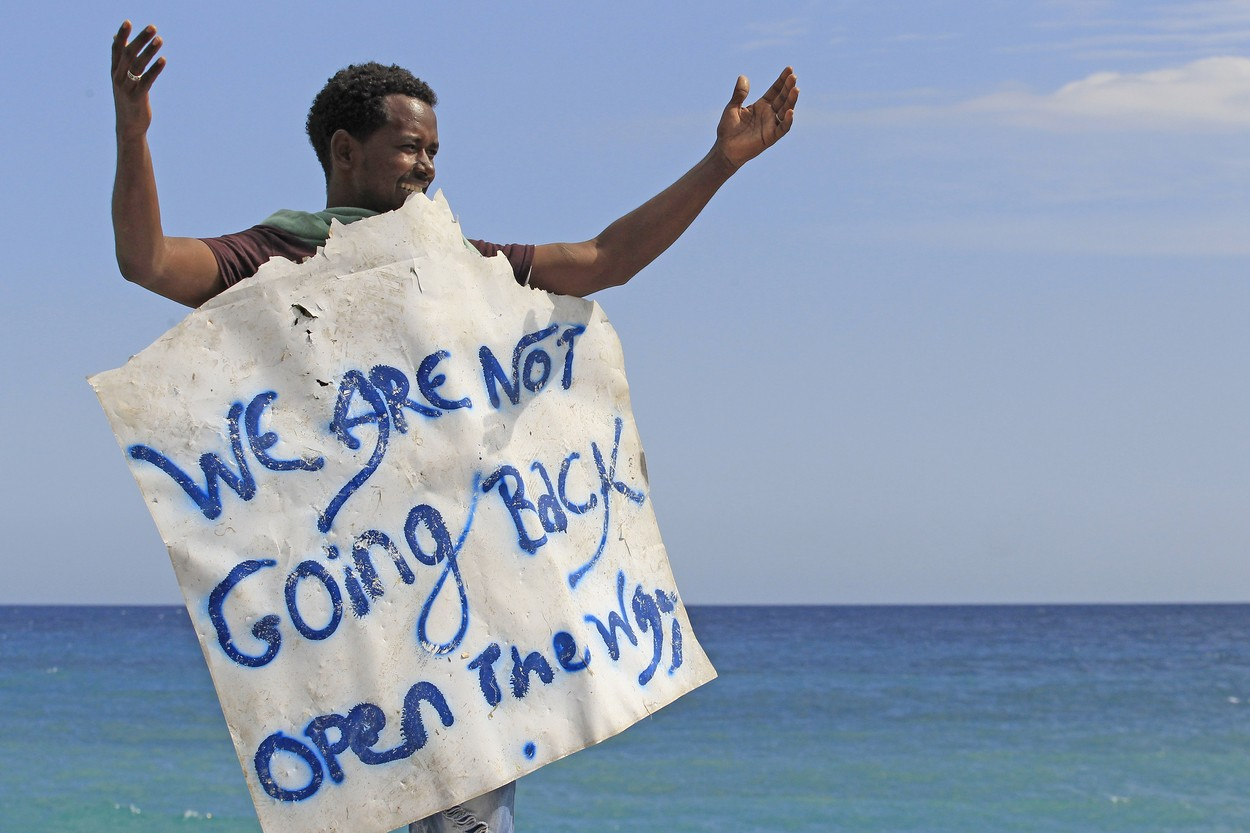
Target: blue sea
[(970, 719)]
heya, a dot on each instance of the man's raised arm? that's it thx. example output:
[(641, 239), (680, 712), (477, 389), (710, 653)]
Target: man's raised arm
[(622, 249), (180, 268)]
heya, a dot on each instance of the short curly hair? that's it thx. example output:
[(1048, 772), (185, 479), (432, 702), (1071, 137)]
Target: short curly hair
[(352, 100)]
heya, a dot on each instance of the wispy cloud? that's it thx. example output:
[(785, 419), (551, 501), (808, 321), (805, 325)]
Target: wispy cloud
[(774, 33), (1094, 31), (924, 37), (1204, 15), (1208, 94)]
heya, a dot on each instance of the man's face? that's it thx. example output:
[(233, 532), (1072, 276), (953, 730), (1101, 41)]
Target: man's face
[(397, 159)]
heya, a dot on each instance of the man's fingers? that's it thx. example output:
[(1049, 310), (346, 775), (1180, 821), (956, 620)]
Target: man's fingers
[(775, 90), (131, 59), (135, 65), (791, 99), (785, 123), (149, 77), (781, 98), (119, 41), (140, 63), (741, 88), (129, 52), (141, 40)]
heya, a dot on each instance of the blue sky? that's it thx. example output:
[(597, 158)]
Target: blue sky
[(974, 332)]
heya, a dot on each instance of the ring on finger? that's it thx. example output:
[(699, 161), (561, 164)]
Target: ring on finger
[(776, 116), (132, 76)]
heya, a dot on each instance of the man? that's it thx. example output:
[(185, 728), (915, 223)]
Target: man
[(376, 171), (375, 133)]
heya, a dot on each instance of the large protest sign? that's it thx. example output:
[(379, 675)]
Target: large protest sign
[(408, 509)]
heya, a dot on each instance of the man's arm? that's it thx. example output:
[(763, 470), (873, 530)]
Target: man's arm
[(180, 268), (622, 249)]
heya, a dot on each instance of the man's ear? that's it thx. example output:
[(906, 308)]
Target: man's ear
[(343, 149)]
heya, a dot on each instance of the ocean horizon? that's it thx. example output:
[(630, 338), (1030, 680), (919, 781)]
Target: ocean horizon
[(1059, 717)]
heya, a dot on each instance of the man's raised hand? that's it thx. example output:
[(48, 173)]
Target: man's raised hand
[(132, 77), (746, 132)]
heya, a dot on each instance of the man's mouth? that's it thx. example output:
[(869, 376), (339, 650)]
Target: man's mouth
[(415, 187)]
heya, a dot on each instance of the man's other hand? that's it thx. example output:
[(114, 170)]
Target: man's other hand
[(746, 132), (132, 78)]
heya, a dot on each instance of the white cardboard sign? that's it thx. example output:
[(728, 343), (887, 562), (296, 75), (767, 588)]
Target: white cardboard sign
[(408, 509)]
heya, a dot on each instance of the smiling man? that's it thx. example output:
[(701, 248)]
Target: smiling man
[(376, 136), (396, 157), (375, 133)]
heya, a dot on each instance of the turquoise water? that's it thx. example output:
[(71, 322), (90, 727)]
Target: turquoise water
[(1103, 718)]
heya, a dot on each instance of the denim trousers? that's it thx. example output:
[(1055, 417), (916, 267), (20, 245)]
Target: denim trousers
[(489, 813)]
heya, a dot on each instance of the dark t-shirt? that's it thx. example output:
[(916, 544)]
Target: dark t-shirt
[(240, 255)]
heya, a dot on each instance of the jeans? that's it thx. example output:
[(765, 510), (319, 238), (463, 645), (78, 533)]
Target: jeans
[(489, 813)]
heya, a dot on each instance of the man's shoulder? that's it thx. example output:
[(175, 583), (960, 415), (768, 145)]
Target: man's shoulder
[(519, 255), (240, 254)]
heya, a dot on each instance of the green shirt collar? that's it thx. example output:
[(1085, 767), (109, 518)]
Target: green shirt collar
[(313, 227)]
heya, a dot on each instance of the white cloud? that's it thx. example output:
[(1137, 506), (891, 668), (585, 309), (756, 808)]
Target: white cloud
[(1209, 94)]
